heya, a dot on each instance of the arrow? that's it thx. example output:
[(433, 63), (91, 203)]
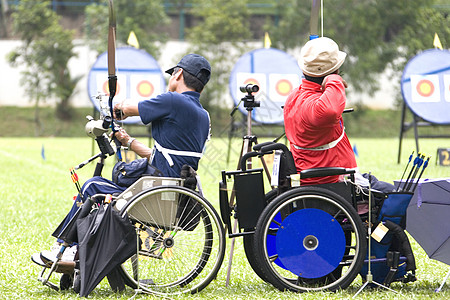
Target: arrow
[(425, 165), (409, 161), (419, 164)]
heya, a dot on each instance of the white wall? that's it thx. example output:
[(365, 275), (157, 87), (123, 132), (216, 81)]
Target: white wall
[(11, 91)]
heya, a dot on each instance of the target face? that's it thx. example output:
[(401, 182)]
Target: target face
[(103, 85), (425, 88), (275, 72), (138, 78), (145, 86), (105, 88), (251, 78), (283, 87), (254, 82)]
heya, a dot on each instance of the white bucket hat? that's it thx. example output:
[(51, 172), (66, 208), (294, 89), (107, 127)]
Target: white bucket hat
[(320, 57)]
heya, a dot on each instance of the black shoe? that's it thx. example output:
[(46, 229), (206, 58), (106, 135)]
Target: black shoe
[(66, 282), (66, 267)]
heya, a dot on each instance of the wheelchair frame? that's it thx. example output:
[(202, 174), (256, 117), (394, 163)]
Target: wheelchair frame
[(261, 217), (305, 238)]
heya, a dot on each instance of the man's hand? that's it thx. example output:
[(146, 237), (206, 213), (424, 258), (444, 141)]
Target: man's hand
[(125, 109), (118, 112), (122, 136), (324, 83)]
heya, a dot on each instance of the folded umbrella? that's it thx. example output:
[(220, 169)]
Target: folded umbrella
[(106, 240), (67, 231), (428, 218)]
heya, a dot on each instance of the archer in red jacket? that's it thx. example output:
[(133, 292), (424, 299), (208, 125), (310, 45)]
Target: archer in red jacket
[(313, 114)]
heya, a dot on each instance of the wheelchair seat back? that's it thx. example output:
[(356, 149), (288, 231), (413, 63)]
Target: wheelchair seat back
[(164, 206)]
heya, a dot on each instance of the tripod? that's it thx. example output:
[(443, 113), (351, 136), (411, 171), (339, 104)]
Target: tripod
[(247, 143), (369, 276)]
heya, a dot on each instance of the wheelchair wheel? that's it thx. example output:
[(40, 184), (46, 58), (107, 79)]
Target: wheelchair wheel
[(182, 241), (309, 239)]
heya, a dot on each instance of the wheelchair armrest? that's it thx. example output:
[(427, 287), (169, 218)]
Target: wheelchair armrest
[(327, 171), (274, 146), (258, 147)]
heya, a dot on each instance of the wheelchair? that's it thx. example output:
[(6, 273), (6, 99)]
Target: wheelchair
[(179, 236), (183, 240), (298, 238)]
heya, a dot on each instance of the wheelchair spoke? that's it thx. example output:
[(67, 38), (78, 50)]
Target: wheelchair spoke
[(272, 231), (273, 258), (337, 214)]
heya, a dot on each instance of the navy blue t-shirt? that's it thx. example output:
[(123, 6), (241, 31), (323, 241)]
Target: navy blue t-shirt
[(179, 122)]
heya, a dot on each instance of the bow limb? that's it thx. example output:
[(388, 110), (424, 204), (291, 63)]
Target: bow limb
[(112, 78), (314, 21)]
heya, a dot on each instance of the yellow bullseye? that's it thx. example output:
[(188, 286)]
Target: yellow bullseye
[(425, 88)]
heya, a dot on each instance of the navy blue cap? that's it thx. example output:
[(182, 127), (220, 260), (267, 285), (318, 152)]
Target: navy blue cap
[(195, 65)]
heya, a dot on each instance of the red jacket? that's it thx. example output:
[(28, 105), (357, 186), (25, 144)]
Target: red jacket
[(313, 118)]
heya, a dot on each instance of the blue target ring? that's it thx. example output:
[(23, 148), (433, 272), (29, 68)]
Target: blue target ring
[(310, 243)]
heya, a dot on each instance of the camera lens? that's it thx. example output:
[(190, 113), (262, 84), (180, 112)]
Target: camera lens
[(249, 88)]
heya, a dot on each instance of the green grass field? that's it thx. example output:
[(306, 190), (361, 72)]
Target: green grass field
[(36, 194)]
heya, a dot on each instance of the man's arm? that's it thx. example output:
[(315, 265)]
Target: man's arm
[(329, 107)]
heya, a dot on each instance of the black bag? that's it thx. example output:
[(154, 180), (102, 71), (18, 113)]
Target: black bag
[(125, 174), (189, 210)]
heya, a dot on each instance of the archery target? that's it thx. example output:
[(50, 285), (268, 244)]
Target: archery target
[(425, 85), (425, 88), (139, 77), (103, 86), (281, 85), (275, 72), (251, 78)]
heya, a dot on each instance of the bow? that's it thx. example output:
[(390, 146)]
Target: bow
[(313, 23), (112, 78)]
